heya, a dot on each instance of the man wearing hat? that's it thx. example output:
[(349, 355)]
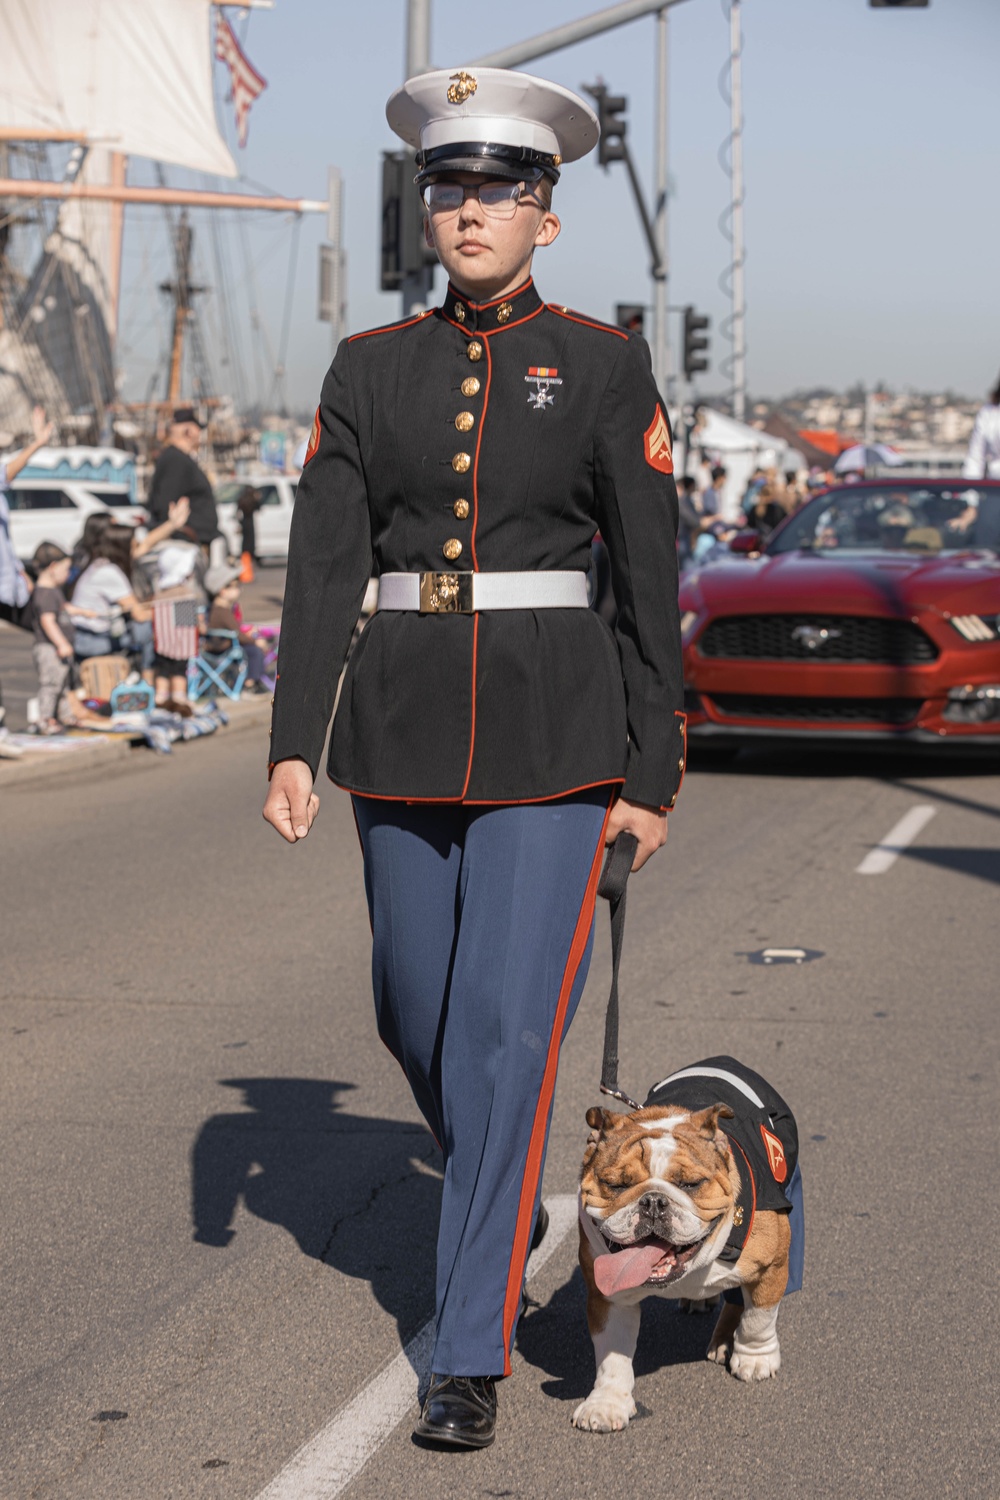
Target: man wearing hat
[(178, 473), (493, 732)]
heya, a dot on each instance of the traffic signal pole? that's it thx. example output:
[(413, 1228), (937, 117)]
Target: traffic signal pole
[(661, 344), (417, 285)]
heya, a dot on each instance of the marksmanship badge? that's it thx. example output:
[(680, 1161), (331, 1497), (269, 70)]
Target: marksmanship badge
[(463, 86), (542, 377)]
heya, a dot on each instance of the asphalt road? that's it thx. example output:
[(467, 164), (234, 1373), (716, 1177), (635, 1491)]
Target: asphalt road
[(219, 1201)]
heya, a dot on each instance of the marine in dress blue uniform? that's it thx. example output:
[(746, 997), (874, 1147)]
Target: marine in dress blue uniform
[(487, 720)]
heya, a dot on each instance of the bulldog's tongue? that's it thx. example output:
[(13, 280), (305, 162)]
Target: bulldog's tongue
[(616, 1272)]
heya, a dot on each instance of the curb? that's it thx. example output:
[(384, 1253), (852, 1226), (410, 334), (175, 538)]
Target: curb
[(93, 758)]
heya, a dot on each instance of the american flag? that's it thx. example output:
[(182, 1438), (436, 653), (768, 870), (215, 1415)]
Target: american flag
[(246, 82), (175, 625)]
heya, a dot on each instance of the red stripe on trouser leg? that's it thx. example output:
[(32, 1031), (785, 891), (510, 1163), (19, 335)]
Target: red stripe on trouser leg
[(536, 1144)]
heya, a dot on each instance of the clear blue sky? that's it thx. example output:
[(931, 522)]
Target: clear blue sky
[(871, 162)]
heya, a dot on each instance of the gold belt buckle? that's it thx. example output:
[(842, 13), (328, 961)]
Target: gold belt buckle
[(446, 593)]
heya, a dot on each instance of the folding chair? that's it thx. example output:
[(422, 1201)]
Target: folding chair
[(222, 671)]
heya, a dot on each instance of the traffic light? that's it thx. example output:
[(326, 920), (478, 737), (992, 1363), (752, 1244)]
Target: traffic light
[(695, 342), (404, 251), (898, 4), (611, 115), (630, 315)]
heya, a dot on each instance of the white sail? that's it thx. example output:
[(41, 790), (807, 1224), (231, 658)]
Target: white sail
[(135, 75)]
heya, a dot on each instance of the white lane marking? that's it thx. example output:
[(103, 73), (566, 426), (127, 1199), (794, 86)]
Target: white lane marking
[(888, 850), (325, 1465)]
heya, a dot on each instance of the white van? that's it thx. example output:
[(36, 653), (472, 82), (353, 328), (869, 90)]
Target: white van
[(273, 520), (54, 510)]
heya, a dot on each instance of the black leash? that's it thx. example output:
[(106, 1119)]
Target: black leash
[(613, 883)]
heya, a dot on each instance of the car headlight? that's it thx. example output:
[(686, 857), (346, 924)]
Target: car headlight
[(688, 619), (977, 627)]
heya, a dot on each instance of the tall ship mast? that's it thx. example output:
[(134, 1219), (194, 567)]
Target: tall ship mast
[(85, 86)]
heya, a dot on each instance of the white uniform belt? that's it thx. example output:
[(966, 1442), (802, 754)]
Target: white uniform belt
[(467, 593)]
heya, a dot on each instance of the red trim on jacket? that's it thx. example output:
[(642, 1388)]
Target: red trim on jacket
[(369, 333), (590, 786), (536, 1145), (564, 312), (472, 726)]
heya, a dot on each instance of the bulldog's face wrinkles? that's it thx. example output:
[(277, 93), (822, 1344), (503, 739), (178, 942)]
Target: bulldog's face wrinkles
[(661, 1179)]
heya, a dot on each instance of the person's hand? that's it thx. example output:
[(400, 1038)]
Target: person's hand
[(178, 512), (291, 805), (648, 824), (65, 651), (42, 429)]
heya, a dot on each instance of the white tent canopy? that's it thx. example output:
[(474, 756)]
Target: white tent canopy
[(740, 449), (135, 75)]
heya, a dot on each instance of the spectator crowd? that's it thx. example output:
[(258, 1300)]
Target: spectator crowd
[(152, 608)]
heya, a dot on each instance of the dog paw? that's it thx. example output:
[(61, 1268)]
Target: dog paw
[(720, 1351), (746, 1365), (698, 1305), (604, 1411)]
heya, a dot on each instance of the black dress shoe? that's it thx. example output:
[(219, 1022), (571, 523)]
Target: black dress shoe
[(459, 1411)]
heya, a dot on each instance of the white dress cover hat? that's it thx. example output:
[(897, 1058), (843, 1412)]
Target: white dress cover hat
[(491, 120)]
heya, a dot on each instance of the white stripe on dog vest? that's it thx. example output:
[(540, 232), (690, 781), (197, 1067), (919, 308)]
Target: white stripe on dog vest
[(737, 1083)]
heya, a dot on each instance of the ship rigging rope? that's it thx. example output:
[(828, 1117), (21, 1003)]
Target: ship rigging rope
[(278, 385)]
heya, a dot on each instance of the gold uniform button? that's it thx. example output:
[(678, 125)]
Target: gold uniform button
[(470, 386), (680, 764), (475, 351), (504, 311), (673, 800), (464, 421), (461, 463), (459, 312), (461, 509), (452, 549)]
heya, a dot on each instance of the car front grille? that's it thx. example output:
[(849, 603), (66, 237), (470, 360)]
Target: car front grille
[(819, 638), (892, 711)]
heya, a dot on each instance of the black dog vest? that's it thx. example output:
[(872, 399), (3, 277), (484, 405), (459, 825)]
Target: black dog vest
[(762, 1133)]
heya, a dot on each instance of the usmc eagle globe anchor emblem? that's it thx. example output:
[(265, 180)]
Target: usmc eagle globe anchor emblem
[(542, 378)]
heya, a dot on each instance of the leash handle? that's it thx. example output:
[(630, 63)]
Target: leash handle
[(612, 886)]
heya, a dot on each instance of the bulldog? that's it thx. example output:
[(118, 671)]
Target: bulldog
[(686, 1197)]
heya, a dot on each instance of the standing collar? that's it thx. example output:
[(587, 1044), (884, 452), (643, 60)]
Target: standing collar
[(491, 317)]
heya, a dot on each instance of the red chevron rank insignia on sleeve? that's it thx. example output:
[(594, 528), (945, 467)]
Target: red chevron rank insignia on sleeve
[(659, 454), (776, 1159), (313, 439)]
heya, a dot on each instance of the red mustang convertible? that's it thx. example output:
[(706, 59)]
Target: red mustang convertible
[(871, 613)]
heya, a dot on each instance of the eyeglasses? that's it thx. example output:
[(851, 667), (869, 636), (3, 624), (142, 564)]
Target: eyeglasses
[(498, 200)]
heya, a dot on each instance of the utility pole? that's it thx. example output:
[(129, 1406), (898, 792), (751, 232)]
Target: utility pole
[(417, 285)]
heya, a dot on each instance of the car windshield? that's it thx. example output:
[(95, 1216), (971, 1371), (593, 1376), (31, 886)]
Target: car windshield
[(895, 518)]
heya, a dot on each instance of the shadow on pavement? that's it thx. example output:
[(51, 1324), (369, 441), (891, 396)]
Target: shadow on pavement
[(554, 1338), (984, 864), (344, 1186)]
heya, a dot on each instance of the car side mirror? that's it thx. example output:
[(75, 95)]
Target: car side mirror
[(745, 542)]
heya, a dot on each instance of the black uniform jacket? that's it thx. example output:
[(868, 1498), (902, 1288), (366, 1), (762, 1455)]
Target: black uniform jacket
[(765, 1135), (497, 437)]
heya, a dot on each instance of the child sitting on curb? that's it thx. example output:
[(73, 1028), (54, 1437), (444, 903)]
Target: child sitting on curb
[(223, 588)]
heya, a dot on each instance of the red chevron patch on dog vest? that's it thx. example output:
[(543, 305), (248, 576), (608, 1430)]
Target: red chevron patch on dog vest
[(775, 1155)]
